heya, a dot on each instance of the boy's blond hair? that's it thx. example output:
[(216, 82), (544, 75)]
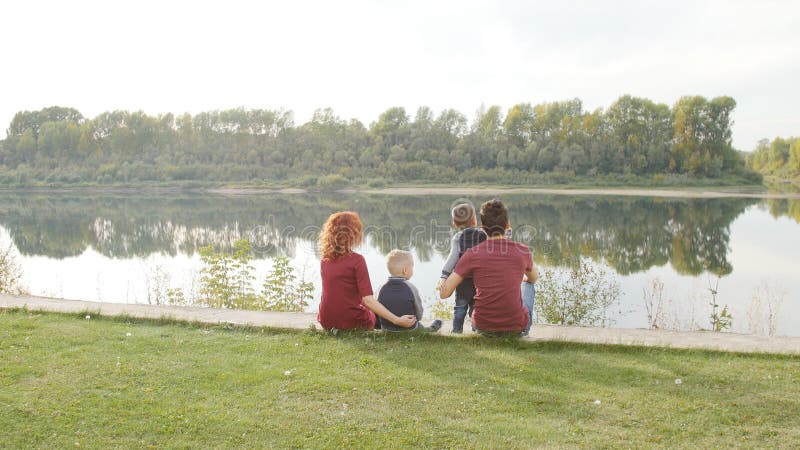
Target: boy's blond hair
[(397, 260), (462, 214)]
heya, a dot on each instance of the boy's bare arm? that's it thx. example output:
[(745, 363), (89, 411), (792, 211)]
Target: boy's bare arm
[(450, 284)]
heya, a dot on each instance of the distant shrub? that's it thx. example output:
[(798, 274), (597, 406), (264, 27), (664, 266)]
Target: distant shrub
[(10, 273), (332, 181), (376, 183), (193, 184), (752, 176), (306, 181)]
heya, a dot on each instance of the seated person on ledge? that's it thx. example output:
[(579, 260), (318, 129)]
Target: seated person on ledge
[(497, 266), (347, 302), (401, 297)]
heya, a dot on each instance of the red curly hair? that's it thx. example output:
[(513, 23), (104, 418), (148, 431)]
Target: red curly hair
[(341, 232)]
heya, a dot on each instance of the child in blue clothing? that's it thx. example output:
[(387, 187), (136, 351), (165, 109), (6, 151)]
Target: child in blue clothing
[(399, 296), (467, 236)]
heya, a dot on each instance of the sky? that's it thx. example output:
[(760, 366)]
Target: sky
[(362, 57)]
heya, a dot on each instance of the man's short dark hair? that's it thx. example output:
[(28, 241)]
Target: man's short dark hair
[(494, 217)]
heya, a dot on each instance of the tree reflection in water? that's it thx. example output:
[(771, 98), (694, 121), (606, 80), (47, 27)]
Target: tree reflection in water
[(628, 234)]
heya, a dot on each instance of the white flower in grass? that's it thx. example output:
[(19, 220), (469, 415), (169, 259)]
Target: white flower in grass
[(678, 381), (597, 402), (88, 317), (128, 334), (287, 372)]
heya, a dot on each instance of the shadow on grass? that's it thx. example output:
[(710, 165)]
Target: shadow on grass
[(456, 388), (510, 342)]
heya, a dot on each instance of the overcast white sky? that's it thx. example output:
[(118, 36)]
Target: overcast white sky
[(362, 57)]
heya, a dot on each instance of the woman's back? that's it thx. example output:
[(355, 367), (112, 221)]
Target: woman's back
[(345, 281)]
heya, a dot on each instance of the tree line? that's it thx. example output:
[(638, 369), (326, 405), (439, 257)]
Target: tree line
[(526, 144), (779, 157)]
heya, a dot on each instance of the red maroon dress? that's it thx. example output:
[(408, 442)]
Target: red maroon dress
[(345, 281)]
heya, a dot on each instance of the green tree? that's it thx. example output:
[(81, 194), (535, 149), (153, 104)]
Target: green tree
[(794, 156), (282, 291), (488, 123), (26, 147), (392, 127), (32, 120), (635, 135), (641, 132), (226, 278), (517, 125), (702, 139), (59, 140)]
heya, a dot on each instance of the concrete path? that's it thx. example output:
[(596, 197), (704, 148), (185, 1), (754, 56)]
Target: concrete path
[(650, 338)]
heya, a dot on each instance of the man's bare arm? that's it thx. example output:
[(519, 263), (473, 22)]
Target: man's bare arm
[(449, 285), (532, 275)]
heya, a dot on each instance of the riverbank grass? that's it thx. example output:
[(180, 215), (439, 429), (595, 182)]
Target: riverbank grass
[(68, 381)]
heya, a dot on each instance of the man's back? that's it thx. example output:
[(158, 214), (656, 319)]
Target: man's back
[(497, 268)]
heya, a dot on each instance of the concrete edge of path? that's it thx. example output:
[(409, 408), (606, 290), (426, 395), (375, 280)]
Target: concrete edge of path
[(702, 340)]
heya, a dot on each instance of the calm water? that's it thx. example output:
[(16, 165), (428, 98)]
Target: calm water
[(128, 248)]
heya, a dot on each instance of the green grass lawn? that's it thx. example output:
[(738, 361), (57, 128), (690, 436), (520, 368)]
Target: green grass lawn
[(67, 381)]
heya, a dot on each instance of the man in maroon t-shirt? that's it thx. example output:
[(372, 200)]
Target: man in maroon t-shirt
[(497, 266)]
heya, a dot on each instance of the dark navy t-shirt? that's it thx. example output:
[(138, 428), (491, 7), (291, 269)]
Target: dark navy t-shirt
[(400, 297)]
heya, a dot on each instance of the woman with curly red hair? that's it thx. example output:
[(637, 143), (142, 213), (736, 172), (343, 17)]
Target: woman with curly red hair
[(347, 298)]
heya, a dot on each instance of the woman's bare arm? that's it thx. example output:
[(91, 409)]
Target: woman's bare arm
[(376, 307)]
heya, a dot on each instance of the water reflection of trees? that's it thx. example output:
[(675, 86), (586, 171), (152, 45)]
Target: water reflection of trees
[(784, 207), (629, 234), (632, 235)]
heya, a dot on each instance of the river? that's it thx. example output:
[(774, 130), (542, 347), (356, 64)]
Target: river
[(128, 247)]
